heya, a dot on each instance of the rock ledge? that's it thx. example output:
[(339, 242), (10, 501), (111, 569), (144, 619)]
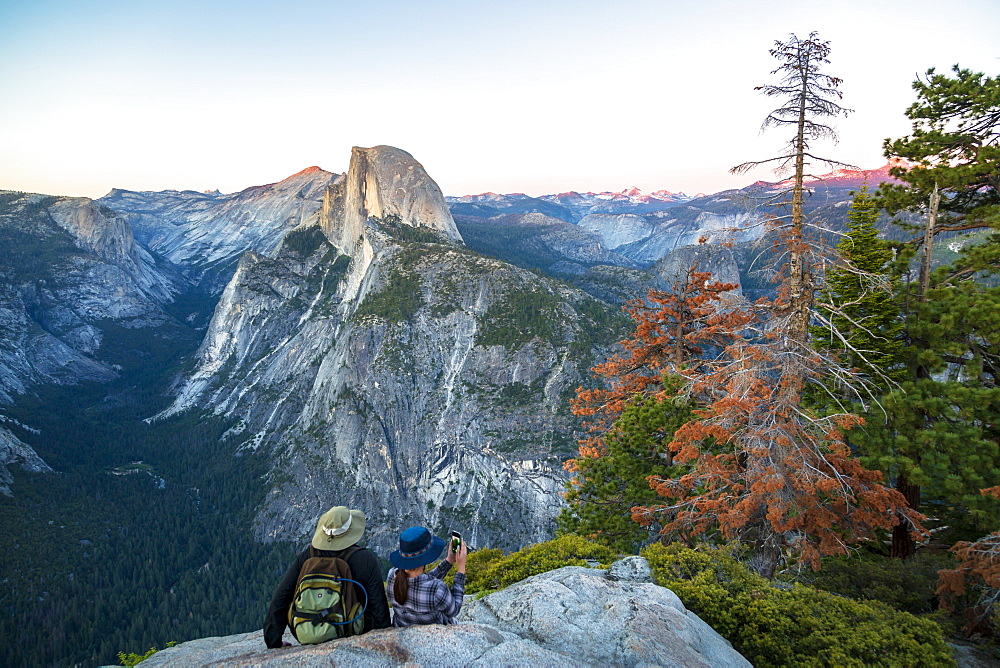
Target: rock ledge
[(572, 616)]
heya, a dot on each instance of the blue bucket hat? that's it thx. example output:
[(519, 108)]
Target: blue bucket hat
[(417, 547)]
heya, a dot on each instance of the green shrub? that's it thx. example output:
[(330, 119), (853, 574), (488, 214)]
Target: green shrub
[(798, 627), (906, 585), (496, 572), (132, 658), (477, 562)]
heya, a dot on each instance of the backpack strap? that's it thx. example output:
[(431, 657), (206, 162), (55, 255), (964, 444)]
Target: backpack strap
[(346, 553)]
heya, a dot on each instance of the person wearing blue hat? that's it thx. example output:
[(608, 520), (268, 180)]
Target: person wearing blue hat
[(423, 598)]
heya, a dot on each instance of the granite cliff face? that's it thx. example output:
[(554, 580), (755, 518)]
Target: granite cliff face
[(413, 379), (70, 267), (712, 258), (383, 182), (208, 232)]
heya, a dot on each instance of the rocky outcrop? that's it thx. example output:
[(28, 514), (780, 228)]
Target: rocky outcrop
[(712, 258), (70, 268), (617, 229), (204, 231), (13, 451), (584, 614), (567, 617), (383, 181)]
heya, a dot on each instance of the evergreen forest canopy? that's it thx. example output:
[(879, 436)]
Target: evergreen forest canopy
[(142, 537), (844, 423)]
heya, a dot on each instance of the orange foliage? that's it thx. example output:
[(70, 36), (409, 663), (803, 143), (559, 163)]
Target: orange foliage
[(979, 568), (765, 469), (672, 329)]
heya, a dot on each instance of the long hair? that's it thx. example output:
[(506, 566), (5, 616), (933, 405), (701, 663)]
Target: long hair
[(400, 586)]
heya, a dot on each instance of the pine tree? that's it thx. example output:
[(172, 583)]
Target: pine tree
[(673, 328), (937, 432), (607, 486), (808, 96), (859, 315), (635, 415), (953, 150), (938, 435)]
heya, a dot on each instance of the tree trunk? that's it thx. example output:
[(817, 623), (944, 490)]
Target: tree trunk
[(903, 546), (799, 292), (766, 557), (929, 231)]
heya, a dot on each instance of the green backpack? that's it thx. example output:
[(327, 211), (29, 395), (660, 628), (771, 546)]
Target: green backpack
[(325, 605)]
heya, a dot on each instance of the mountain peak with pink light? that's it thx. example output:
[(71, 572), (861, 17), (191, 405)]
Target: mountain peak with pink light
[(844, 177)]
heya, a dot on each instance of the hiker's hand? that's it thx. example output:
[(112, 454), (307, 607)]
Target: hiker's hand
[(450, 558), (463, 552)]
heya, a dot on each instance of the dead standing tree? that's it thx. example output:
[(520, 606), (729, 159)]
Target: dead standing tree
[(808, 95), (764, 468)]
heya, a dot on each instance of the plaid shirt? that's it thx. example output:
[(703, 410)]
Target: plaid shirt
[(428, 600)]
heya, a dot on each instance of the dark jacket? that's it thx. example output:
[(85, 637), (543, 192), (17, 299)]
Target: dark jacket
[(364, 568)]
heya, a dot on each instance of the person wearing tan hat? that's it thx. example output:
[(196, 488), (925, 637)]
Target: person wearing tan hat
[(337, 532)]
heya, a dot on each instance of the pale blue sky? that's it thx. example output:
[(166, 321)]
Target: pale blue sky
[(538, 97)]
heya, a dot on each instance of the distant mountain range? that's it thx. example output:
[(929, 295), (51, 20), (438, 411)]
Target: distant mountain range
[(572, 206), (569, 206), (353, 330), (573, 235)]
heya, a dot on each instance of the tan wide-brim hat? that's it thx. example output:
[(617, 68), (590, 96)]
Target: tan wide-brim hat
[(339, 528)]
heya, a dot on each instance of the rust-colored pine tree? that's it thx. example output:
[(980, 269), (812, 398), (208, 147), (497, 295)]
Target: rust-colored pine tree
[(638, 409), (673, 328), (764, 468)]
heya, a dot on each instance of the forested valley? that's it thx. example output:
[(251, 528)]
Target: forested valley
[(143, 536)]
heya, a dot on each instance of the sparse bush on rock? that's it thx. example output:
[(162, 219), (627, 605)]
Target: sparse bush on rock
[(489, 570), (801, 626)]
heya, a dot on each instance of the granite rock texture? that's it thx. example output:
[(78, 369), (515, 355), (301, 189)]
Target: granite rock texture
[(70, 267), (383, 181), (582, 613), (568, 617), (712, 258), (205, 233)]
